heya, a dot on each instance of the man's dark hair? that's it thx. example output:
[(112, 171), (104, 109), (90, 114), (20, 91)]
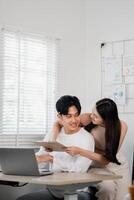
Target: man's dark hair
[(65, 102)]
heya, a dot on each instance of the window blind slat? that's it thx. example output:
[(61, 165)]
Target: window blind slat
[(28, 84)]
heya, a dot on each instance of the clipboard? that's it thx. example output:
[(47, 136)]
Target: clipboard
[(54, 146)]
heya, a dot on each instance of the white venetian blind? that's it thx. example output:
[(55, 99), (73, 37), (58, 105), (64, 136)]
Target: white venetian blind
[(28, 77)]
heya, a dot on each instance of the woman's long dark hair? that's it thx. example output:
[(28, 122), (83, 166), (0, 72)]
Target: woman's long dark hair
[(107, 109)]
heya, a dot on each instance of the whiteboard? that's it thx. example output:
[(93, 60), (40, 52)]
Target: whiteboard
[(117, 73)]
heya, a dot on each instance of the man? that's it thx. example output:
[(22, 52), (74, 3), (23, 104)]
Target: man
[(68, 110)]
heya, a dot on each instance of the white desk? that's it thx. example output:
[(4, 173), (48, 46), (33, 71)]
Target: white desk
[(68, 182)]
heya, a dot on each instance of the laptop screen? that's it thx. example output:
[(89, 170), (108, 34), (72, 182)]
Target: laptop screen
[(20, 161)]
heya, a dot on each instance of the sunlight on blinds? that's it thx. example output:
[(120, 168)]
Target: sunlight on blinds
[(28, 68)]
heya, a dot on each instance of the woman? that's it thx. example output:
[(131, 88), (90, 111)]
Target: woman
[(109, 133)]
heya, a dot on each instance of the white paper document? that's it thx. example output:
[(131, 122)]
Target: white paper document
[(113, 70), (117, 93)]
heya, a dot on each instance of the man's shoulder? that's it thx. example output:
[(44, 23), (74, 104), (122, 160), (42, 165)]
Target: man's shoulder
[(87, 137), (84, 132)]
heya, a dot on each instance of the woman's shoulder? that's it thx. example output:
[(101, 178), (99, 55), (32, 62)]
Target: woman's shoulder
[(124, 126), (124, 129)]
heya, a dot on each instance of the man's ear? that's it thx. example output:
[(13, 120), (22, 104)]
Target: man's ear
[(59, 115)]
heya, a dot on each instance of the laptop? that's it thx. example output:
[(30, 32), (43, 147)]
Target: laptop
[(21, 161)]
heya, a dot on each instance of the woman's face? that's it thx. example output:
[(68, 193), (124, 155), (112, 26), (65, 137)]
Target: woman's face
[(96, 118)]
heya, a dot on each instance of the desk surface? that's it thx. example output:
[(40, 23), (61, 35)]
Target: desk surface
[(67, 182), (61, 178)]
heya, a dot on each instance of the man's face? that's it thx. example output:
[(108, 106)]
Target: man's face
[(71, 121)]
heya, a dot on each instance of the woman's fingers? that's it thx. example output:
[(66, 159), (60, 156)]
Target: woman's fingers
[(72, 150)]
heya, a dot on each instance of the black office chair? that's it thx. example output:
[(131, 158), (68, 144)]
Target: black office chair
[(93, 191), (88, 195)]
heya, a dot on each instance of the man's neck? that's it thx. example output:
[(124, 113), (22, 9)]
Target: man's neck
[(69, 132)]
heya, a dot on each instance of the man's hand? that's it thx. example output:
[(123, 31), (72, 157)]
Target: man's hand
[(48, 149), (73, 150), (44, 158)]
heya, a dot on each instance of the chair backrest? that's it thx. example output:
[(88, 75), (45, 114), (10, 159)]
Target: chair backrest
[(131, 190), (133, 170)]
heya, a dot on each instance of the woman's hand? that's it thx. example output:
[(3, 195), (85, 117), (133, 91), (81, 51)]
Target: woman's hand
[(85, 119), (44, 158), (73, 150)]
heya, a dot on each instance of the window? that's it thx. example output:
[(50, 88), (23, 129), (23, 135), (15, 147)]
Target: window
[(28, 71)]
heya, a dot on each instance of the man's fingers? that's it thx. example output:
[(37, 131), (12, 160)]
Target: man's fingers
[(48, 149)]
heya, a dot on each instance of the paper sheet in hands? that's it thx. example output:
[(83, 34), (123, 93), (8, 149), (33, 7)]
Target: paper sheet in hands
[(54, 146)]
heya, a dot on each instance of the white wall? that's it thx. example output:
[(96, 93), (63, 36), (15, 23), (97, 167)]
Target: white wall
[(82, 25), (107, 20), (60, 18)]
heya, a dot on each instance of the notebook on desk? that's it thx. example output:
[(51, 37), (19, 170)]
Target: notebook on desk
[(21, 161)]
